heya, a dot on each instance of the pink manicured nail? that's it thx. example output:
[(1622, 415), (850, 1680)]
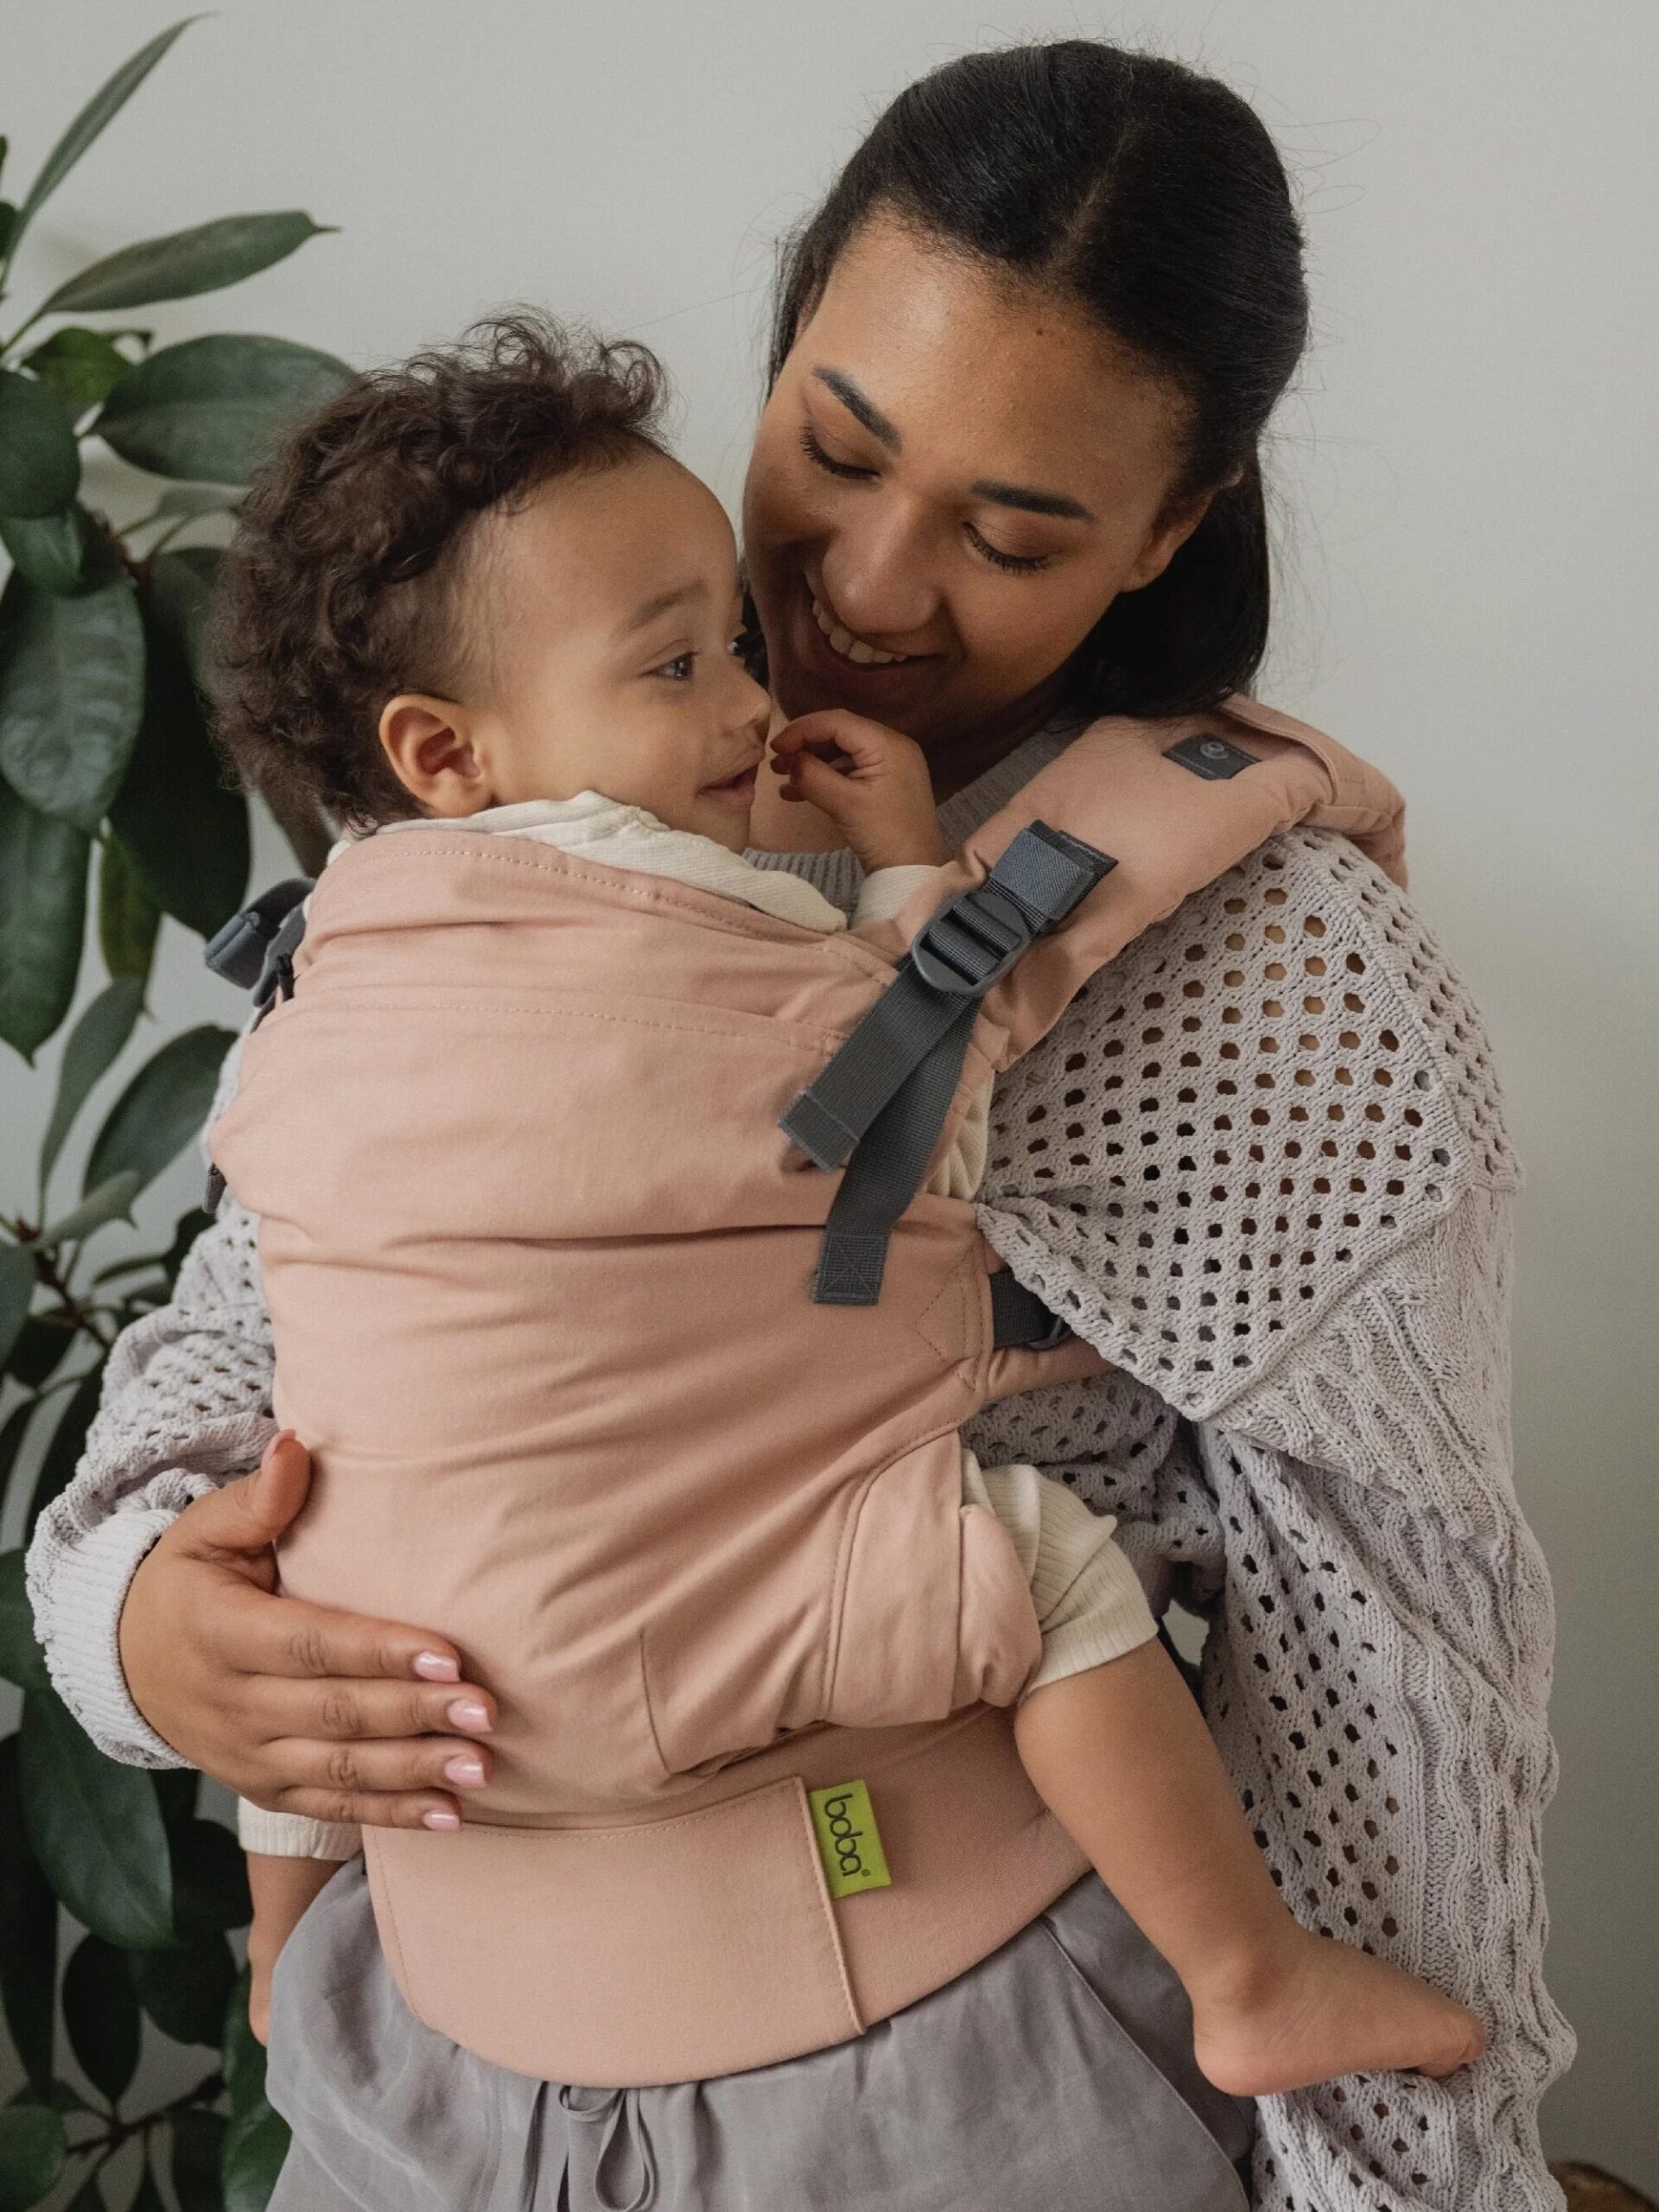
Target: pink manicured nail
[(433, 1667), (466, 1712), (447, 1822), (466, 1772)]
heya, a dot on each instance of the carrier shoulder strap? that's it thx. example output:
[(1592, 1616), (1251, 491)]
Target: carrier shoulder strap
[(1130, 820), (255, 950)]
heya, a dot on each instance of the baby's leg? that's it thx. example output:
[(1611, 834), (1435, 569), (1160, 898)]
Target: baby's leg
[(284, 1890), (1121, 1755)]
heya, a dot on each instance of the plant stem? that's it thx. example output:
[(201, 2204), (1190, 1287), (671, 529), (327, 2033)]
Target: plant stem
[(17, 335), (51, 1279)]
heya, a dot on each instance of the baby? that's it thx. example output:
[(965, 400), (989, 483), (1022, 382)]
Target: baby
[(544, 618)]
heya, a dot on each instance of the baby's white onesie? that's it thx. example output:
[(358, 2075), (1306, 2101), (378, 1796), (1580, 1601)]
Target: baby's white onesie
[(1090, 1603)]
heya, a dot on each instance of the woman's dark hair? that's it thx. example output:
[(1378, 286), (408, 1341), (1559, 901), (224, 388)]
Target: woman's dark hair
[(1153, 198), (340, 588)]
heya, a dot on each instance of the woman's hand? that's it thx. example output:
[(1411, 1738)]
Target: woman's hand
[(296, 1706), (872, 782)]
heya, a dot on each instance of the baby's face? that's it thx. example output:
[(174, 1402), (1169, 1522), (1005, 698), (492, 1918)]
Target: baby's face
[(605, 614)]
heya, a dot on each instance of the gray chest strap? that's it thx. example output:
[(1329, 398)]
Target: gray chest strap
[(878, 1105)]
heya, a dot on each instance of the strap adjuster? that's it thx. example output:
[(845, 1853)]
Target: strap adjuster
[(972, 942)]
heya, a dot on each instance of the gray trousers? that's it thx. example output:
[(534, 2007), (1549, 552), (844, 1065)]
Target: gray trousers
[(1056, 2076)]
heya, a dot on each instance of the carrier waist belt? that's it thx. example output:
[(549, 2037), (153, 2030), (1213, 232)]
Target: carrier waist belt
[(708, 1942)]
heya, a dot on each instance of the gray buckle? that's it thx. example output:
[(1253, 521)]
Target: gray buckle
[(972, 942)]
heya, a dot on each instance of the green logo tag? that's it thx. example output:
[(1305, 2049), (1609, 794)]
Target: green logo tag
[(850, 1842)]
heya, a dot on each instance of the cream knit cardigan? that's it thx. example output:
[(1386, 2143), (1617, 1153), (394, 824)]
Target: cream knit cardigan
[(1261, 1163)]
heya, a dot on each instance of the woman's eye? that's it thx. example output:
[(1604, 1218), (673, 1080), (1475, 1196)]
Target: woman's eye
[(816, 453), (1022, 563), (677, 670)]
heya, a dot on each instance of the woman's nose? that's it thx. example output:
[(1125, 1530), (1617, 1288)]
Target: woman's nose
[(875, 571)]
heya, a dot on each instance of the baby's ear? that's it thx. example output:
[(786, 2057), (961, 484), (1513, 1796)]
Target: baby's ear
[(428, 742)]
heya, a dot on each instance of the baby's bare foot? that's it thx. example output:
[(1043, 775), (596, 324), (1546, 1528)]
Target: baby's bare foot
[(1324, 2010)]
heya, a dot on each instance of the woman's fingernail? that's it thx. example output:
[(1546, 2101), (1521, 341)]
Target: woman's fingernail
[(447, 1822), (466, 1772), (433, 1667), (466, 1712)]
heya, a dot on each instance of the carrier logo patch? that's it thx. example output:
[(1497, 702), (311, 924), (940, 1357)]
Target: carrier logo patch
[(1212, 758), (850, 1842)]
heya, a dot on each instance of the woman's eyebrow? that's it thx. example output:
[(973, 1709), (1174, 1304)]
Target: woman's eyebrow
[(859, 405), (1029, 501)]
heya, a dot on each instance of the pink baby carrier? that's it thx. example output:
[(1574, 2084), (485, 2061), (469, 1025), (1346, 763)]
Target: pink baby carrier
[(651, 1404)]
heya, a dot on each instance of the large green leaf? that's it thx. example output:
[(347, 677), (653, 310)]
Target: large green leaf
[(128, 917), (185, 829), (38, 1353), (40, 461), (96, 1829), (198, 2149), (185, 1990), (71, 696), (29, 1934), (17, 1427), (209, 409), (162, 1108), (21, 1660), (210, 1880), (106, 103), (62, 1454), (185, 263), (95, 1043), (181, 587), (110, 1200), (148, 2197), (16, 1290), (66, 552), (82, 367), (33, 2153), (42, 914), (101, 2013)]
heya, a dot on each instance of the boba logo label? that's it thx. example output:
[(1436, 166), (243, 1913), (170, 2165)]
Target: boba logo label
[(850, 1842)]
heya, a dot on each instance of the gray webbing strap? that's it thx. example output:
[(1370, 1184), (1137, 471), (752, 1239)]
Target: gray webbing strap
[(885, 1172), (1019, 1317), (881, 1102), (968, 946)]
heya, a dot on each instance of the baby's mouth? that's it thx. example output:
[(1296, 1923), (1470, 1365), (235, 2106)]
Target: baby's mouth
[(736, 791)]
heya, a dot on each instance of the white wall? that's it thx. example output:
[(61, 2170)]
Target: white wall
[(1468, 479)]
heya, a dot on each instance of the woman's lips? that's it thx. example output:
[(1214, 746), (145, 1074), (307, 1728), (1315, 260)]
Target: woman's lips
[(736, 793)]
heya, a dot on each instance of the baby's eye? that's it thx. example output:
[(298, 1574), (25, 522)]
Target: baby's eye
[(677, 670)]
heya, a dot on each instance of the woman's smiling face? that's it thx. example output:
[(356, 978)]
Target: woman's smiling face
[(955, 475)]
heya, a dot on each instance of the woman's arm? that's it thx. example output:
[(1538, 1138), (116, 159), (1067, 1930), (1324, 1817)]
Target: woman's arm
[(186, 1406), (1262, 1166), (152, 1578), (1376, 1678)]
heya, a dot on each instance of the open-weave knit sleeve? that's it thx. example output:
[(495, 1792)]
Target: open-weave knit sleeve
[(1262, 1165), (186, 1405)]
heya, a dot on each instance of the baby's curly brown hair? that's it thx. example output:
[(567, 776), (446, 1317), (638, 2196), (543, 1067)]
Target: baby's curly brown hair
[(339, 589)]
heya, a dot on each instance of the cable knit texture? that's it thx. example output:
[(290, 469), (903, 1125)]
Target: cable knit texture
[(1261, 1163)]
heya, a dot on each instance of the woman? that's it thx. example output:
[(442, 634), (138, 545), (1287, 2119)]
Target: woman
[(1007, 479)]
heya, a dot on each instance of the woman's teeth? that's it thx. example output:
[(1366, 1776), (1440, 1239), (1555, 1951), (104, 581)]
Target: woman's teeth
[(851, 648)]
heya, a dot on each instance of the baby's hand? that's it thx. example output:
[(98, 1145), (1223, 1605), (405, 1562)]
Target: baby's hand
[(872, 782)]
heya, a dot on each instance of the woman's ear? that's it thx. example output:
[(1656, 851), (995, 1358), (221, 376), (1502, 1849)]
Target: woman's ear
[(428, 742), (1170, 532)]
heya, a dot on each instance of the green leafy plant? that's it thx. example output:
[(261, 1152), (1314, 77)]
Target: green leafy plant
[(112, 815)]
